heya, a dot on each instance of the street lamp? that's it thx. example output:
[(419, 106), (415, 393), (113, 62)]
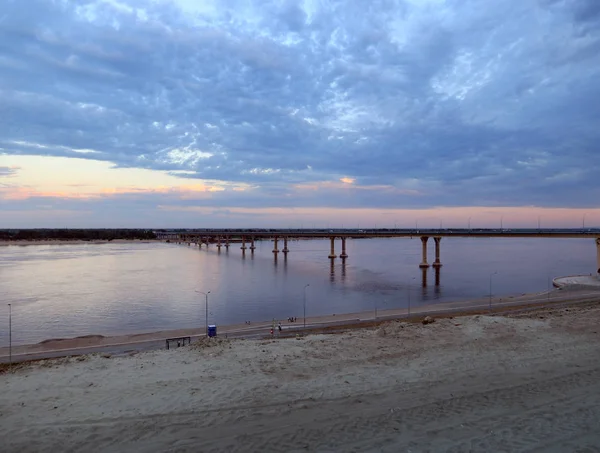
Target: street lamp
[(10, 334), (469, 223), (206, 306), (305, 286), (492, 274)]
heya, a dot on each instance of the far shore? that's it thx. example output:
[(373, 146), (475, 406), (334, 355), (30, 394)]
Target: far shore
[(74, 241), (262, 328)]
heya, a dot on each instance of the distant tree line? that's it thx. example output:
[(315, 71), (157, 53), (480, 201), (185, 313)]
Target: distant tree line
[(75, 234)]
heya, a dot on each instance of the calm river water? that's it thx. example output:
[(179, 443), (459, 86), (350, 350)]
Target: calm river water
[(69, 290)]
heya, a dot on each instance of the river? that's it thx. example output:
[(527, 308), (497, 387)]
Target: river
[(59, 291)]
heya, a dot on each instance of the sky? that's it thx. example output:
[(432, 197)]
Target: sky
[(308, 113)]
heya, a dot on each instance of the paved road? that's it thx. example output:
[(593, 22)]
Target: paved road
[(140, 346)]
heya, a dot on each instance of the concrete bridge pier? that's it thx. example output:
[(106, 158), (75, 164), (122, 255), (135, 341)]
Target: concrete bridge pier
[(424, 263), (252, 247), (275, 249), (343, 255), (598, 254), (285, 247), (437, 262), (227, 242), (219, 243), (332, 254), (243, 247)]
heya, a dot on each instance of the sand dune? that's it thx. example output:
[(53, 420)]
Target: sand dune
[(483, 383)]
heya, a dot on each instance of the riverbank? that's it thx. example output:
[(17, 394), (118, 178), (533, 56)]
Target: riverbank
[(477, 383), (154, 340), (75, 241), (582, 281)]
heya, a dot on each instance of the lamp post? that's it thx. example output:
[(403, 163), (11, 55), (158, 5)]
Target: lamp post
[(10, 334), (492, 274), (305, 286), (469, 223), (206, 308)]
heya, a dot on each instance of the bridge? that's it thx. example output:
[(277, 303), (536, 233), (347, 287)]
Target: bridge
[(224, 237)]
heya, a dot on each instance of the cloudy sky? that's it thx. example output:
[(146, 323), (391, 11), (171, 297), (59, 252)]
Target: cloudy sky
[(225, 113)]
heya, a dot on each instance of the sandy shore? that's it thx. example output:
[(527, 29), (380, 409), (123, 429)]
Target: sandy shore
[(480, 383)]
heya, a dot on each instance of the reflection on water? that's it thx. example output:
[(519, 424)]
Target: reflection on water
[(332, 270), (437, 287), (79, 289)]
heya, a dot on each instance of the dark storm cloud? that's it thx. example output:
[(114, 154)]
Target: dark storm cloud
[(463, 102)]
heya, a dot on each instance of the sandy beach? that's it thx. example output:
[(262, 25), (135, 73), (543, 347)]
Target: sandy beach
[(527, 382)]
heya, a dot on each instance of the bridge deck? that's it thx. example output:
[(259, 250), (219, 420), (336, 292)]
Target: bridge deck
[(389, 233)]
